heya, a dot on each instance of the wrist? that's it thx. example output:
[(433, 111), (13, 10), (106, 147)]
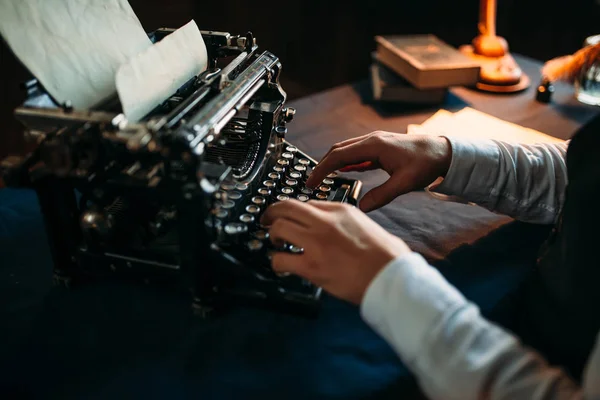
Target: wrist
[(442, 153)]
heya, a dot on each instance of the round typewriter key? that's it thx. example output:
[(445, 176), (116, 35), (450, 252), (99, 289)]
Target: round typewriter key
[(227, 204), (321, 196), (332, 175), (325, 188), (295, 175), (291, 182), (304, 161), (283, 162), (274, 176), (259, 200), (236, 228), (278, 169), (288, 156), (221, 195), (241, 186), (261, 235), (282, 197), (263, 191), (291, 149), (306, 190), (303, 197), (286, 190), (328, 181), (270, 184), (252, 209), (300, 168), (227, 186), (235, 195), (247, 218), (220, 214), (296, 249), (254, 245)]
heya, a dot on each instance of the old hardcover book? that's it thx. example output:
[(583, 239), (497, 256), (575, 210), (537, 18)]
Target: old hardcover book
[(387, 86), (426, 61)]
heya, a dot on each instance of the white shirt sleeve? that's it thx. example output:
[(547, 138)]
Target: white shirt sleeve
[(526, 182), (453, 351)]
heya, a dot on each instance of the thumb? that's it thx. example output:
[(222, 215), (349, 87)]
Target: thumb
[(381, 195)]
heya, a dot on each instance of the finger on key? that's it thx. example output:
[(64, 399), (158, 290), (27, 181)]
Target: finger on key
[(291, 209), (284, 230), (356, 153), (347, 142)]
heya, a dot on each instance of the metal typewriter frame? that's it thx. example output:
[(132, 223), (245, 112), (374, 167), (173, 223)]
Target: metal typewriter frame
[(160, 159)]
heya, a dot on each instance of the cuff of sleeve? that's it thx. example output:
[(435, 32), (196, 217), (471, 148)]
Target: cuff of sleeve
[(405, 300), (472, 168)]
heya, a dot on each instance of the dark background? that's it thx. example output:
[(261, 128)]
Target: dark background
[(326, 43)]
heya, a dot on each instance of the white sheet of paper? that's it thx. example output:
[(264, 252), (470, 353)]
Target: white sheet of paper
[(152, 76), (73, 47), (472, 124)]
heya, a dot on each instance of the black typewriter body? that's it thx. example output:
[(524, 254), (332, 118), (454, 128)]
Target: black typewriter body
[(178, 196)]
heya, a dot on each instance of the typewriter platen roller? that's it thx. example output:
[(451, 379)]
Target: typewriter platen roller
[(178, 196)]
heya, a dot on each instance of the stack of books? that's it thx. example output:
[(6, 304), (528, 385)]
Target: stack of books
[(418, 69)]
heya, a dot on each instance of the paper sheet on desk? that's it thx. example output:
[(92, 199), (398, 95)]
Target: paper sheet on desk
[(473, 124), (147, 79), (73, 47)]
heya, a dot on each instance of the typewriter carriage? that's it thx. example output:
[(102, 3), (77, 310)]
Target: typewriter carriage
[(137, 200)]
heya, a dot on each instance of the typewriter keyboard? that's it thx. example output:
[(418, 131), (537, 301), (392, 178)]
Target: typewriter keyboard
[(239, 206)]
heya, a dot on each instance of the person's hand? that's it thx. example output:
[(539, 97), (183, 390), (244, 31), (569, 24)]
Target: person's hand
[(343, 248), (412, 161)]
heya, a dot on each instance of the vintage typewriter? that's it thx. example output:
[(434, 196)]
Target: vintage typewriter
[(178, 196)]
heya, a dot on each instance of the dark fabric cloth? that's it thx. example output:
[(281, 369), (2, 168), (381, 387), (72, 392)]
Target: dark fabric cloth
[(114, 340)]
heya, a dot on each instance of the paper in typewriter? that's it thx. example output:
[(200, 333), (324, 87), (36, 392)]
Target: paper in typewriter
[(73, 47), (150, 77)]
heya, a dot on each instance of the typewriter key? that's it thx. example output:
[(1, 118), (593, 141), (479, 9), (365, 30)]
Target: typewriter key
[(235, 195), (263, 191), (286, 190), (259, 200), (269, 184), (227, 186), (227, 204), (291, 183), (241, 186), (247, 218), (278, 169), (236, 228), (288, 156), (300, 168), (321, 196), (295, 175), (304, 161), (328, 181), (274, 176), (254, 245), (332, 175), (296, 249), (253, 209), (325, 188), (283, 162), (220, 214), (291, 149), (306, 190), (302, 197), (261, 235), (282, 197)]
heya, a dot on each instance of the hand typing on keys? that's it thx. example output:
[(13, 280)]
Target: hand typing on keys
[(343, 248), (412, 161)]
